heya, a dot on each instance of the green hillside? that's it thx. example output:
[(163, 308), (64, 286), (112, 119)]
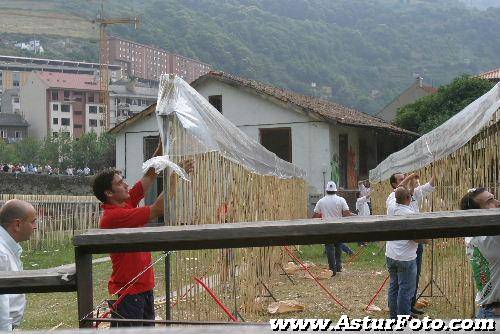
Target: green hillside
[(366, 50)]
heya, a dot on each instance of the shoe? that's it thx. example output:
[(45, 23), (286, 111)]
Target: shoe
[(417, 311)]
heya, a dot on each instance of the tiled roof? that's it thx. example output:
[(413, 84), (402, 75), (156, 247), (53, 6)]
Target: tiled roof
[(490, 75), (328, 110), (11, 119), (69, 80)]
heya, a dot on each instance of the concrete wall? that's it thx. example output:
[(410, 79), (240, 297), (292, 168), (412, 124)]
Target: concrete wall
[(28, 184), (33, 106)]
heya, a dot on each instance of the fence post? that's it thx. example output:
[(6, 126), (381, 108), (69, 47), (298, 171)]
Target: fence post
[(84, 287)]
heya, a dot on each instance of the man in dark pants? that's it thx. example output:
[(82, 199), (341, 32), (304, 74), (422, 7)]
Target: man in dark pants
[(332, 206), (132, 278)]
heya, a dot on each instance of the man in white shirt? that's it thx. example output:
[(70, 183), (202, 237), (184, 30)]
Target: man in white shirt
[(484, 255), (17, 221), (401, 262), (332, 206)]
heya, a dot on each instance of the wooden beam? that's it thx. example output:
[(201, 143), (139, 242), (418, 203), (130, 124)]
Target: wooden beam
[(85, 288), (286, 232), (37, 281)]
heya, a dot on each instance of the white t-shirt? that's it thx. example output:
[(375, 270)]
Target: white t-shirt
[(331, 206), (484, 256), (362, 206), (401, 250), (416, 202)]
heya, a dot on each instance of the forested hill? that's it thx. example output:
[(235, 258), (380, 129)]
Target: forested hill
[(368, 51)]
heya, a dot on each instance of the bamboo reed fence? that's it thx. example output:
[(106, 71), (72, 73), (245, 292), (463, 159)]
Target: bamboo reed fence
[(223, 192), (59, 217), (445, 270)]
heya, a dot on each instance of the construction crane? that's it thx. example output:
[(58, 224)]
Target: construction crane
[(104, 58)]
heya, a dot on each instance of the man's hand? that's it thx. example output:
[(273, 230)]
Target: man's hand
[(188, 166), (159, 149)]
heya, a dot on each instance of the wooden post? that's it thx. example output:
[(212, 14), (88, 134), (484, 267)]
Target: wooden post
[(166, 120), (84, 288)]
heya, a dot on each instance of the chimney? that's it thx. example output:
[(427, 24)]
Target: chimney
[(420, 82)]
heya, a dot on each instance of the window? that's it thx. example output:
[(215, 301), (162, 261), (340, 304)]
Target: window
[(15, 79), (55, 120), (92, 109), (278, 141), (216, 101), (65, 121), (55, 96), (1, 79), (91, 97), (55, 107), (65, 107), (101, 122), (343, 156), (15, 99), (55, 134), (92, 122), (3, 134), (128, 101), (66, 95), (101, 110), (18, 134)]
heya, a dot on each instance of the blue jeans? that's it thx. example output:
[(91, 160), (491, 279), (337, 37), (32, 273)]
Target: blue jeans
[(333, 253), (420, 253), (346, 249), (487, 312), (403, 279)]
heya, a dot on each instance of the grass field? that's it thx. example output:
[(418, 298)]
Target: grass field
[(42, 18), (354, 287)]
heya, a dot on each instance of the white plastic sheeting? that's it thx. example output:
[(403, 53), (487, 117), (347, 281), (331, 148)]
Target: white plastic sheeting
[(442, 141), (207, 130)]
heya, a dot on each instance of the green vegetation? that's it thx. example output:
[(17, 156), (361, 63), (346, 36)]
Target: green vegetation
[(431, 111), (91, 150), (366, 50)]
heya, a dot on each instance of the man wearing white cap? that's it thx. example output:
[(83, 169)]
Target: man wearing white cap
[(332, 206)]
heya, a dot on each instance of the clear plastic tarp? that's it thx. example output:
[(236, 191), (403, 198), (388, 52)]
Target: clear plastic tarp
[(442, 141), (207, 130)]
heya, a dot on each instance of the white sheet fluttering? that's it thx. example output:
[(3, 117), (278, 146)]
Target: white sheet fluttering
[(207, 130), (443, 140)]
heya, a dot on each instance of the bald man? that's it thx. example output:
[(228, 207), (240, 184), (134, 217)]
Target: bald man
[(17, 221)]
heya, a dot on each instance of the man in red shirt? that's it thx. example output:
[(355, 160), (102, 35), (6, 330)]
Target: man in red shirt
[(132, 275)]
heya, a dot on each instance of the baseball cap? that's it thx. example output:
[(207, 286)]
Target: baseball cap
[(331, 186)]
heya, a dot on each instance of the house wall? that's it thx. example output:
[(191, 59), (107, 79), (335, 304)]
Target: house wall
[(33, 106), (129, 147), (9, 133), (413, 93)]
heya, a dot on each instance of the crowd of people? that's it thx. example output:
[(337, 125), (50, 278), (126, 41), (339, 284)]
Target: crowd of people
[(39, 169), (121, 209), (404, 257)]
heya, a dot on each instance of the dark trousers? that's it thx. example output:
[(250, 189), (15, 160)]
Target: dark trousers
[(333, 253), (138, 306), (420, 252)]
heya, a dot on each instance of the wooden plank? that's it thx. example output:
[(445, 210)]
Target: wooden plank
[(85, 292), (42, 280), (305, 231)]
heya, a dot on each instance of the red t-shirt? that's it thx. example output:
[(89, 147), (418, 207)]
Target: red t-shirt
[(126, 266)]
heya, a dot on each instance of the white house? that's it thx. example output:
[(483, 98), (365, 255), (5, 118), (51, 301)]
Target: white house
[(326, 139)]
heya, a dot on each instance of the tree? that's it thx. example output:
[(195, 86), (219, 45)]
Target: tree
[(27, 151), (433, 110)]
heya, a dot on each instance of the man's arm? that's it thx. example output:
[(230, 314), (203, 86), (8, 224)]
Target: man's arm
[(158, 207), (5, 319), (347, 213), (316, 215)]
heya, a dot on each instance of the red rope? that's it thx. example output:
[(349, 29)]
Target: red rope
[(217, 300), (358, 252), (314, 277), (376, 294)]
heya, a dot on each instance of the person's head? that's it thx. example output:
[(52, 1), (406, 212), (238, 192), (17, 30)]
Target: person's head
[(478, 198), (396, 179), (403, 196), (18, 218), (109, 187), (331, 188)]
